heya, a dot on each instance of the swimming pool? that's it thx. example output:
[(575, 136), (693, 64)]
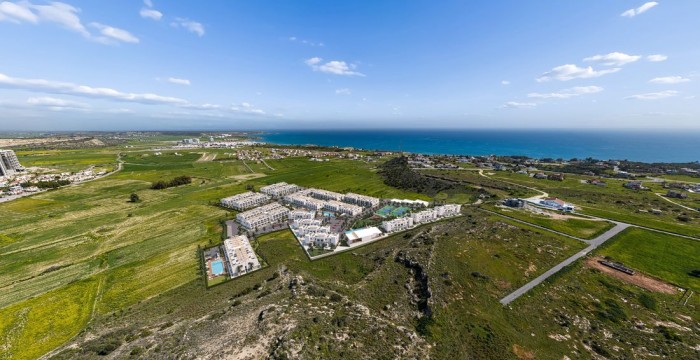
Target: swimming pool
[(217, 267), (328, 214)]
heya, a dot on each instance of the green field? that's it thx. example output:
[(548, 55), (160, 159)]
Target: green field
[(578, 227), (666, 257)]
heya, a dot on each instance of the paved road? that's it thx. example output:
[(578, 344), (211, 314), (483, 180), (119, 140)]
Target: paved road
[(592, 245)]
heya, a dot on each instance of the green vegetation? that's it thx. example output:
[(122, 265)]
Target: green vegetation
[(180, 180), (667, 257), (580, 227), (397, 173)]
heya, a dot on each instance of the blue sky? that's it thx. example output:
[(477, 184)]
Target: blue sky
[(102, 65)]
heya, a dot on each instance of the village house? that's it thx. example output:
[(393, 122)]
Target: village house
[(676, 194)]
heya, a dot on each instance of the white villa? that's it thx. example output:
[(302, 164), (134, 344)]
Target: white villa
[(362, 200), (240, 257), (398, 224), (557, 204), (279, 189), (263, 216), (245, 200)]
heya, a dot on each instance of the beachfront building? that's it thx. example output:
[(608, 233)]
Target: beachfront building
[(398, 224), (409, 203), (240, 257), (263, 216), (361, 200), (244, 201), (279, 189), (436, 213), (364, 234), (9, 164), (343, 208)]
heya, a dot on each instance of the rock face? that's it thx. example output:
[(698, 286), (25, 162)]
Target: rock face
[(418, 284)]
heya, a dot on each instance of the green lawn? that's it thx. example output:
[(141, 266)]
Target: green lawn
[(667, 257)]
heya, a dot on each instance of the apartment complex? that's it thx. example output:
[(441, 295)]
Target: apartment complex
[(343, 208), (279, 189), (398, 224), (9, 164), (323, 194), (301, 215), (262, 216), (244, 201), (301, 200), (240, 257), (436, 213), (361, 200)]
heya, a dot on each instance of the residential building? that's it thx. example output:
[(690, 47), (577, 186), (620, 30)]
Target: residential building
[(362, 200), (301, 200), (634, 185), (279, 189), (240, 257), (324, 194), (343, 208), (244, 201), (540, 176), (263, 216), (515, 203), (398, 224), (677, 194), (557, 204), (556, 176), (436, 213), (301, 214), (321, 239), (9, 164)]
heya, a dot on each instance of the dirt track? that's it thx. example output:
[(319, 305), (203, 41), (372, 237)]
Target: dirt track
[(638, 279)]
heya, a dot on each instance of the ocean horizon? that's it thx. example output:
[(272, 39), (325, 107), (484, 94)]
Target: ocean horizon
[(635, 145)]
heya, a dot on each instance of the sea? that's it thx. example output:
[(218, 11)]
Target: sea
[(637, 145)]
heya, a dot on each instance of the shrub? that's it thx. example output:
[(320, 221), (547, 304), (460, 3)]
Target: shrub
[(180, 180), (336, 297), (648, 301)]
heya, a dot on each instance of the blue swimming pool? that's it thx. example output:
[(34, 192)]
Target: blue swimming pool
[(217, 267), (328, 214)]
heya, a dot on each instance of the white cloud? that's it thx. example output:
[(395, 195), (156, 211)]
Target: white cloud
[(201, 106), (343, 91), (179, 81), (571, 71), (505, 82), (55, 103), (247, 108), (639, 10), (55, 87), (189, 25), (112, 33), (151, 14), (15, 13), (657, 58), (567, 93), (148, 3), (305, 42), (613, 59), (63, 15), (666, 80), (518, 105), (654, 96), (332, 67)]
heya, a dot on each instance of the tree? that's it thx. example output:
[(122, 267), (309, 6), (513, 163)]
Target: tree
[(134, 198)]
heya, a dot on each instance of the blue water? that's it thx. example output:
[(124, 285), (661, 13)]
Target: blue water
[(647, 146), (217, 267)]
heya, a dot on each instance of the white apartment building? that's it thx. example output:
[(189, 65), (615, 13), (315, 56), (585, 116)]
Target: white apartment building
[(362, 200), (304, 201), (299, 223), (279, 189), (321, 239), (240, 257), (343, 208), (262, 216), (9, 164), (301, 214), (398, 224), (245, 200), (324, 194), (436, 213)]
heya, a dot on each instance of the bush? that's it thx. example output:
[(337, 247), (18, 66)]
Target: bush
[(134, 198), (648, 301), (180, 180), (336, 297)]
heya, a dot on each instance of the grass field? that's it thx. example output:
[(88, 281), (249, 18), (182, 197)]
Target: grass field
[(581, 228), (666, 257)]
